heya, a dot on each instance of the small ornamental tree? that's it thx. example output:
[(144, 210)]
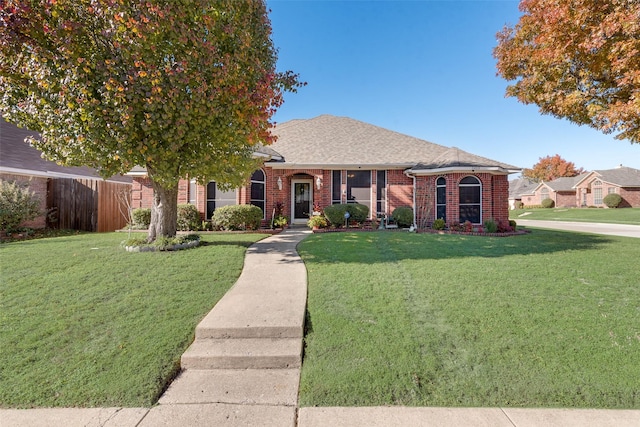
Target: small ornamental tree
[(577, 59), (184, 88), (550, 168)]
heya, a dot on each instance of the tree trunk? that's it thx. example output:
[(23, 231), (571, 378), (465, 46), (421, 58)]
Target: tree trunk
[(164, 212)]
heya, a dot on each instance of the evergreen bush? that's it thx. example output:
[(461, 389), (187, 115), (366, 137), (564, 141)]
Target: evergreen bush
[(612, 200), (403, 216), (237, 217), (141, 218), (438, 224), (548, 203), (188, 218), (335, 213)]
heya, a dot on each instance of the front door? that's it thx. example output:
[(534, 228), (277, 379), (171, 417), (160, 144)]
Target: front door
[(301, 200)]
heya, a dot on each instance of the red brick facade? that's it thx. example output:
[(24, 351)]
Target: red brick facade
[(399, 192)]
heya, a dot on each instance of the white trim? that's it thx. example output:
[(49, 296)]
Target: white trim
[(479, 184), (50, 174), (495, 170), (324, 166), (292, 196)]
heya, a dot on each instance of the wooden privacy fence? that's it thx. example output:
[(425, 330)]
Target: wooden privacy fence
[(87, 204)]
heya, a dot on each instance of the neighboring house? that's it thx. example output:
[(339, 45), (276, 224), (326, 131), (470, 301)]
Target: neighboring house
[(519, 189), (560, 190), (75, 197), (595, 185), (330, 160)]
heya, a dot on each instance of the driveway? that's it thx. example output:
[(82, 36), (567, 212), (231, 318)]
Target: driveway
[(585, 227)]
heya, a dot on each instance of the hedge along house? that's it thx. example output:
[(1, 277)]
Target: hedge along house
[(329, 160)]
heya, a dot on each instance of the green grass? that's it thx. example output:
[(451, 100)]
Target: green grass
[(548, 319), (613, 216), (85, 323)]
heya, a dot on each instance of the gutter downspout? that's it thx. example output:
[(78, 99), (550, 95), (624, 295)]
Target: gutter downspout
[(415, 209)]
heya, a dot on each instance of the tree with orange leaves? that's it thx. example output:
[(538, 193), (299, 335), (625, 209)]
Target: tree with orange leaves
[(550, 168), (577, 59)]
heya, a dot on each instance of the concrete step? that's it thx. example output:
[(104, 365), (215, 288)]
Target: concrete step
[(207, 330), (243, 353), (234, 386)]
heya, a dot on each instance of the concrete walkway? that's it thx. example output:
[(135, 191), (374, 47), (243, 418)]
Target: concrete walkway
[(243, 369), (624, 230)]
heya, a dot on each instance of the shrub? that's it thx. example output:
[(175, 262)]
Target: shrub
[(188, 218), (335, 213), (467, 227), (490, 226), (548, 203), (17, 205), (438, 224), (141, 217), (237, 217), (504, 227), (612, 200), (513, 224), (317, 221), (280, 221), (403, 215)]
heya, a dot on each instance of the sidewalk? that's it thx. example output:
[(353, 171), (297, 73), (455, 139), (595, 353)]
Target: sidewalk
[(624, 230), (243, 369)]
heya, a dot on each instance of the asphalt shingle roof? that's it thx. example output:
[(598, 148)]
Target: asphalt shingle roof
[(329, 141), (565, 183), (623, 176), (18, 156), (520, 186)]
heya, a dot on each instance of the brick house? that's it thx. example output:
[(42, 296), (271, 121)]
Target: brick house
[(595, 185), (561, 190), (329, 160), (53, 184)]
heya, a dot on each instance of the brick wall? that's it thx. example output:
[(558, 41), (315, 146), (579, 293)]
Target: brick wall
[(494, 197), (630, 197), (141, 193), (38, 185)]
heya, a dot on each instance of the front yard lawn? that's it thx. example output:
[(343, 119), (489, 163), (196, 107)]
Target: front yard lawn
[(548, 319), (85, 323), (612, 216)]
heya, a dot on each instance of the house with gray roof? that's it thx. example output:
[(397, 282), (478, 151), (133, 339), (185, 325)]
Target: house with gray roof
[(520, 189), (595, 185), (59, 188), (561, 190), (335, 160)]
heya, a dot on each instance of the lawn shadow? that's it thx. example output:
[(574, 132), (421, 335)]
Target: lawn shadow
[(372, 248)]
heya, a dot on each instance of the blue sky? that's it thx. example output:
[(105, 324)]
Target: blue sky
[(425, 68)]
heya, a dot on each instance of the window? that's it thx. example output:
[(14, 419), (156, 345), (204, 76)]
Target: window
[(470, 200), (381, 191), (597, 192), (257, 189), (597, 196), (336, 187), (611, 190), (359, 187), (193, 192), (441, 198), (544, 193), (217, 199)]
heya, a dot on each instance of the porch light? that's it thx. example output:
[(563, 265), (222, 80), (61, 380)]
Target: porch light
[(279, 183), (318, 182)]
